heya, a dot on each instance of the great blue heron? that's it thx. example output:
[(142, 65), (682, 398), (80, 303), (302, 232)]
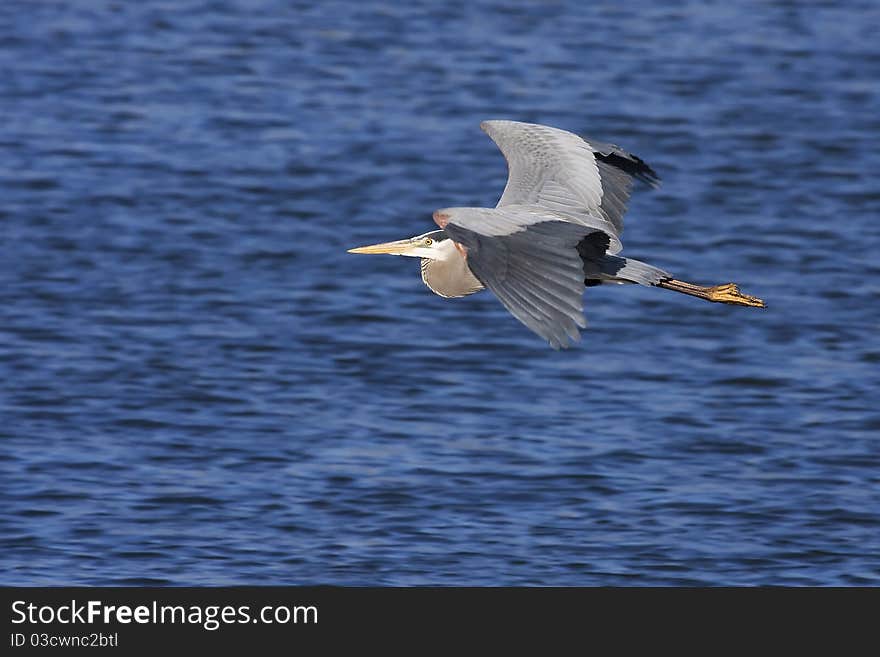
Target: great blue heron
[(555, 231)]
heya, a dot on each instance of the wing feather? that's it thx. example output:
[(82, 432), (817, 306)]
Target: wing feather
[(585, 181), (529, 259), (556, 291)]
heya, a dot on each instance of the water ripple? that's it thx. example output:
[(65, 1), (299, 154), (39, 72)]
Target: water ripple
[(199, 386)]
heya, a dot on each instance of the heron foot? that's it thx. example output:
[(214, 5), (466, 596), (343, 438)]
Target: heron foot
[(729, 293)]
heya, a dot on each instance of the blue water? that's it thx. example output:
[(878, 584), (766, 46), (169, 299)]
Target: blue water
[(198, 385)]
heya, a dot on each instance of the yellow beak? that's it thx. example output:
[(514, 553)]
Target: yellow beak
[(399, 247)]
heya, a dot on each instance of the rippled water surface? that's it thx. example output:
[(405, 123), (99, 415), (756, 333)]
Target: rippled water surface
[(198, 385)]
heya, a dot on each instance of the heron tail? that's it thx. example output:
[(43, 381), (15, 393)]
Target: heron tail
[(617, 269)]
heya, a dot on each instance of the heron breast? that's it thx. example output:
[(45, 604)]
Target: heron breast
[(449, 278)]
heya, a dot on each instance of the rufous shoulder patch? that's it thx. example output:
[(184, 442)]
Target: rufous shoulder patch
[(440, 218)]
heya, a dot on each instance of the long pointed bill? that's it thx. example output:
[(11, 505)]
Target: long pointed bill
[(400, 247)]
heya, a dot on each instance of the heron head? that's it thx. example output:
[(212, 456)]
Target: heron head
[(426, 246)]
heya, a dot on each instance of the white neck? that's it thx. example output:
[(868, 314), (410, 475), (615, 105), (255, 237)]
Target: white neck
[(449, 276)]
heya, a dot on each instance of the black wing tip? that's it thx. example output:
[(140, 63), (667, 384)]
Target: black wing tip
[(632, 165)]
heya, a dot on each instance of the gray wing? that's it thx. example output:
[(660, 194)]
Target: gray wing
[(529, 259), (582, 180)]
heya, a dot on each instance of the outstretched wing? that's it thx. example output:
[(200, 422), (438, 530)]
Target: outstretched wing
[(529, 259), (560, 171)]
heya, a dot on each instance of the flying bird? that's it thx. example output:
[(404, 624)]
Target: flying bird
[(555, 231)]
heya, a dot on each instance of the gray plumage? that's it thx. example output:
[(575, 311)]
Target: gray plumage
[(560, 171), (525, 250), (532, 266), (555, 230)]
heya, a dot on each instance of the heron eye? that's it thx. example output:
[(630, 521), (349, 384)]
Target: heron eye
[(428, 241)]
